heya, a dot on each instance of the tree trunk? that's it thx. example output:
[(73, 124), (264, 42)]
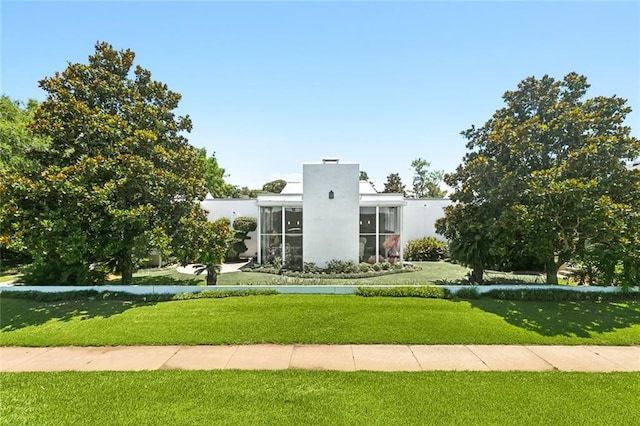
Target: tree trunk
[(212, 278), (476, 275), (552, 271), (127, 267)]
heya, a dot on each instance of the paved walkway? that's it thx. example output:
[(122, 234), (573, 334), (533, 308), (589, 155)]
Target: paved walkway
[(324, 357)]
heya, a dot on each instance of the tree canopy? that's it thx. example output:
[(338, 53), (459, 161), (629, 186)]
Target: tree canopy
[(426, 182), (17, 141), (214, 175), (394, 184), (546, 178), (117, 178)]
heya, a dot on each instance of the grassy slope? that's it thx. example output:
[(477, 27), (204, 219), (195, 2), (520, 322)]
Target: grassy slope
[(318, 319), (317, 397)]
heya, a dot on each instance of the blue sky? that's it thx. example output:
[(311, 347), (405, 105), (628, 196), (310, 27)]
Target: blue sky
[(271, 85)]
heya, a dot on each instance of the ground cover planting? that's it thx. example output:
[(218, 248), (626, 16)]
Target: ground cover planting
[(289, 319), (319, 398)]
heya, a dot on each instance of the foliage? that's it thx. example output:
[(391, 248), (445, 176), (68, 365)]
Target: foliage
[(79, 295), (430, 292), (524, 188), (561, 295), (469, 293), (17, 141), (212, 244), (364, 175), (275, 186), (394, 184), (245, 224), (341, 267), (242, 225), (214, 175), (426, 182), (117, 179), (425, 249)]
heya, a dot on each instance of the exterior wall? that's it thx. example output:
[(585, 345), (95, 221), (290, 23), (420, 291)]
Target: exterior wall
[(419, 216), (331, 226), (232, 208)]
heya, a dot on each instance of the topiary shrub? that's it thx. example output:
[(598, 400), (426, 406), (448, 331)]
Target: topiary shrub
[(426, 249), (242, 225)]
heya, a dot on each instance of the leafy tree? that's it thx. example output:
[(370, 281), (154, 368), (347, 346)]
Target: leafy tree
[(364, 175), (214, 175), (425, 181), (17, 145), (17, 141), (394, 184), (118, 177), (275, 186), (546, 170), (208, 244)]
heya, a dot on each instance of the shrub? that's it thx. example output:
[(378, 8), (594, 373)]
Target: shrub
[(468, 293), (426, 249), (365, 267), (311, 268), (245, 224), (116, 295), (559, 295), (431, 292), (341, 267)]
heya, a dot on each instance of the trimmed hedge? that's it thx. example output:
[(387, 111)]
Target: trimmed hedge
[(560, 295), (115, 295), (430, 292)]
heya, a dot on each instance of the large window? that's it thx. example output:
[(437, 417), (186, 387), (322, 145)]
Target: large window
[(379, 234), (276, 245)]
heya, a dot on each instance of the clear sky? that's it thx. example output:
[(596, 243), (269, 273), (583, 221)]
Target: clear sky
[(272, 85)]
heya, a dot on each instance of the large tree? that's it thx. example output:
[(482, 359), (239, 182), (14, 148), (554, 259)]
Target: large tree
[(394, 184), (550, 166), (426, 182), (214, 175), (117, 177)]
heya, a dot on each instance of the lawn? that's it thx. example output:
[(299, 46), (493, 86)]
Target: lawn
[(295, 397), (335, 319), (430, 274)]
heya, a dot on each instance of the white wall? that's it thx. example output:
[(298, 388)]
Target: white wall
[(331, 226), (232, 208), (419, 216)]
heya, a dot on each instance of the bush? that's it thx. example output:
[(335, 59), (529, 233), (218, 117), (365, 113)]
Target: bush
[(245, 224), (365, 267), (311, 268), (341, 267), (468, 293), (559, 295), (115, 295), (426, 249), (431, 292)]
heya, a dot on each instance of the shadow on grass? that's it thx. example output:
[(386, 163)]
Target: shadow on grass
[(578, 319), (19, 313)]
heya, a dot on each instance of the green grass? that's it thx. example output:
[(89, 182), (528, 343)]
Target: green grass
[(431, 273), (329, 319), (296, 397)]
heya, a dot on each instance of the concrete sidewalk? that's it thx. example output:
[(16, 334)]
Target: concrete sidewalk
[(324, 357)]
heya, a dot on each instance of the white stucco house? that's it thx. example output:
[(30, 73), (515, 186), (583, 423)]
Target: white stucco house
[(330, 215)]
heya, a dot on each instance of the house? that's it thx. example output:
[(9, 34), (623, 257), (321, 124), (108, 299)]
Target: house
[(330, 215)]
